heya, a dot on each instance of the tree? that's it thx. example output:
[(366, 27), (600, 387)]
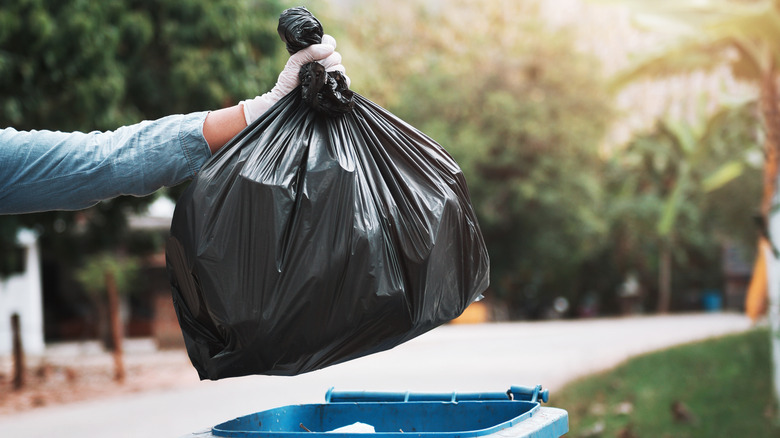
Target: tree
[(745, 35), (105, 277), (520, 109), (689, 176), (665, 185), (74, 65)]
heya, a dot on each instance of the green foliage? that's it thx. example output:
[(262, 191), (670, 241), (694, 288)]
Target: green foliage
[(663, 193), (690, 165), (724, 384), (78, 65), (92, 275)]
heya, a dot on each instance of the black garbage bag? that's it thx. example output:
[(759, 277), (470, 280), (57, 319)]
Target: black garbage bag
[(319, 235)]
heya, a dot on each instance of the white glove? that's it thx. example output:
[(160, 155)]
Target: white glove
[(324, 53)]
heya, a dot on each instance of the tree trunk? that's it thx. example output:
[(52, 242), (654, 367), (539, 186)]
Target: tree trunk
[(771, 114), (116, 327), (665, 278)]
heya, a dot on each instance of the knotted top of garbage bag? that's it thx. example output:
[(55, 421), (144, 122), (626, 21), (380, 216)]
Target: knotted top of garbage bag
[(299, 29), (325, 92)]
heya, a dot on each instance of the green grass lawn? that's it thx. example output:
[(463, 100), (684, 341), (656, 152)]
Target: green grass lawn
[(715, 388)]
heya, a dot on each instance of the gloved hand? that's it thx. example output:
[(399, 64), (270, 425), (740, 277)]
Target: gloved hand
[(325, 53)]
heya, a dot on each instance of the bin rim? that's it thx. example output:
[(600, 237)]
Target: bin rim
[(529, 409)]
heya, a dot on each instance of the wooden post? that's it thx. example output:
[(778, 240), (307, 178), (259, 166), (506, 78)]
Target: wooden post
[(116, 326), (18, 352), (665, 278)]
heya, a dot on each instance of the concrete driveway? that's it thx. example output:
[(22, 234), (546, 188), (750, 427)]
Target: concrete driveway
[(485, 357)]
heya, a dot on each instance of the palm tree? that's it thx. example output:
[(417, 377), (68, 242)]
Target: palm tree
[(745, 35), (666, 175), (690, 175)]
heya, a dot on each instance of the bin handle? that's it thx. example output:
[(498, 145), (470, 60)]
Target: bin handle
[(534, 394), (537, 393)]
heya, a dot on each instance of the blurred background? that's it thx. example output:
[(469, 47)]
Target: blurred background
[(614, 150), (601, 189)]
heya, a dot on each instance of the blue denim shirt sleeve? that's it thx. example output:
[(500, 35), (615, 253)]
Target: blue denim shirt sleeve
[(46, 170)]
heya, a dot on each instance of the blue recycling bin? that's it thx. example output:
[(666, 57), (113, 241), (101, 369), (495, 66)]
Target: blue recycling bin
[(514, 413), (712, 300)]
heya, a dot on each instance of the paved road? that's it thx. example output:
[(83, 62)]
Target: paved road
[(487, 357)]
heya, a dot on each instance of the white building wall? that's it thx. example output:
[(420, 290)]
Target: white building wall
[(22, 294), (773, 286)]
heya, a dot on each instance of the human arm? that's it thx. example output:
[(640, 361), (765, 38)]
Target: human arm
[(45, 170), (222, 125)]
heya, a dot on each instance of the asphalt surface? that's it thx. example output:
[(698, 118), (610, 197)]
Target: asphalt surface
[(484, 357)]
